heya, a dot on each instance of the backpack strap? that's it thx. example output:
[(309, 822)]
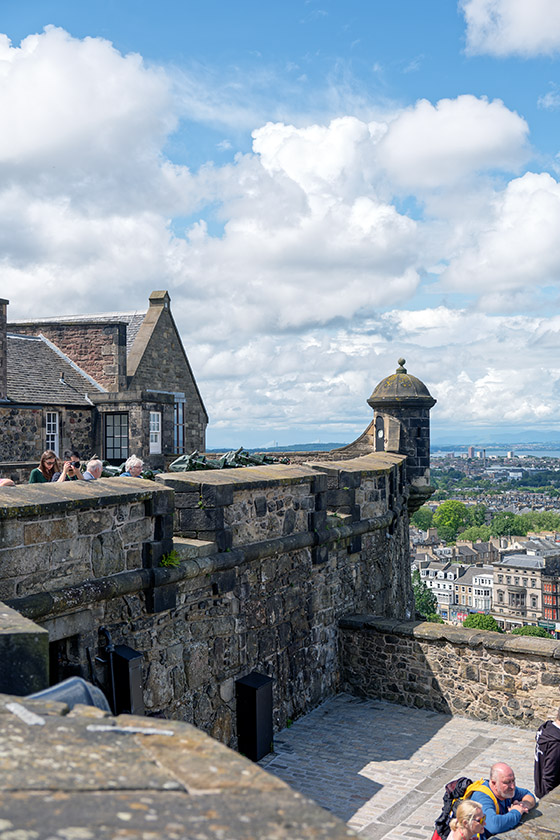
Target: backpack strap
[(480, 786)]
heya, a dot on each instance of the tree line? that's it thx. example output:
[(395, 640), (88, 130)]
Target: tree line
[(454, 519)]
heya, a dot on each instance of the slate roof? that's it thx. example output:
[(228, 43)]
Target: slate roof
[(133, 321), (522, 561), (34, 372)]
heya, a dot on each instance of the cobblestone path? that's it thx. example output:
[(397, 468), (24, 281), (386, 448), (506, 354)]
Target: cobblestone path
[(382, 767)]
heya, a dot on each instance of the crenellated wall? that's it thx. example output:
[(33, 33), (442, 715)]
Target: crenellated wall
[(272, 558)]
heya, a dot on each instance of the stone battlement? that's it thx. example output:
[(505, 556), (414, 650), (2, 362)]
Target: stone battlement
[(271, 558)]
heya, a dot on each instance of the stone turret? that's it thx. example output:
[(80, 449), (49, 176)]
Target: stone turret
[(401, 423)]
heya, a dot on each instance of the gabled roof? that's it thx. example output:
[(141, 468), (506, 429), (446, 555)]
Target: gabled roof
[(38, 372)]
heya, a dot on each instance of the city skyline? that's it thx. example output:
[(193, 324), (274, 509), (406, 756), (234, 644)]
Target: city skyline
[(322, 190)]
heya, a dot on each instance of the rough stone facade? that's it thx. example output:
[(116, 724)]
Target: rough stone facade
[(479, 674), (58, 536), (22, 434), (245, 598), (3, 354), (158, 356)]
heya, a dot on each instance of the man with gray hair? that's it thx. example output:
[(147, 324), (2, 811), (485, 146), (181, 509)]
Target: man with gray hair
[(504, 804), (94, 468), (547, 756)]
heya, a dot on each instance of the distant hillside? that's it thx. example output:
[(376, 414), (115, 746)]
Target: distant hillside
[(292, 447)]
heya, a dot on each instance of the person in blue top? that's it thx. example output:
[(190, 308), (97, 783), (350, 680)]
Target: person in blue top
[(512, 801)]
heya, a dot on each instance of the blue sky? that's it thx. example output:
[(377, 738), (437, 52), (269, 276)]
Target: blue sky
[(321, 186)]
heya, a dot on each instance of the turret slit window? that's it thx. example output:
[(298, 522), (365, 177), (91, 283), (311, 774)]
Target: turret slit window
[(379, 434)]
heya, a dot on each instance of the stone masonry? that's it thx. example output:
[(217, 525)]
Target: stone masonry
[(84, 774), (453, 670), (98, 349), (266, 593)]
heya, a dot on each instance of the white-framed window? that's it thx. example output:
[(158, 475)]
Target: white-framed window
[(52, 436), (155, 432), (179, 428), (116, 436)]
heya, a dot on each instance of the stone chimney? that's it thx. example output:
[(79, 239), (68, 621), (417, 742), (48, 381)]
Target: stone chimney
[(3, 350)]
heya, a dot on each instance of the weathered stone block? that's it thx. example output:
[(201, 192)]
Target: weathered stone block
[(48, 530), (201, 519), (161, 598), (107, 554), (95, 521), (132, 533), (24, 654), (340, 498), (218, 495), (349, 480), (196, 664), (11, 533), (191, 499), (550, 678)]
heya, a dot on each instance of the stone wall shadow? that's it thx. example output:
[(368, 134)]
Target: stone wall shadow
[(325, 754)]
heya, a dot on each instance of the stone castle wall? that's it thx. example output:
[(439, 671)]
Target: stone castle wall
[(281, 554), (58, 536), (452, 670)]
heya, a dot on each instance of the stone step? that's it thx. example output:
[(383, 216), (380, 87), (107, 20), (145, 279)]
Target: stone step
[(190, 549)]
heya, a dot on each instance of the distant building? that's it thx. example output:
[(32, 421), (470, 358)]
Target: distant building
[(517, 590)]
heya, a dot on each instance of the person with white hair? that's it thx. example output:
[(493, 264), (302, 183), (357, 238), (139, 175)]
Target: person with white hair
[(133, 467), (94, 468)]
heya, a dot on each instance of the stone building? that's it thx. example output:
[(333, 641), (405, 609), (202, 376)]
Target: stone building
[(517, 592), (113, 384)]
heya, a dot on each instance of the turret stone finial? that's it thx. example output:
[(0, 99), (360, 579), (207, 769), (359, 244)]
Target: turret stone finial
[(402, 368)]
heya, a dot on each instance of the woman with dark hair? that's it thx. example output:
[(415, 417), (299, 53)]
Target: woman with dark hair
[(48, 465)]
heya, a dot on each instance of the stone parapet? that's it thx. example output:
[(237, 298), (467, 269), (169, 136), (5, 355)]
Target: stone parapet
[(270, 604), (541, 823), (148, 777), (55, 535), (454, 670), (237, 507)]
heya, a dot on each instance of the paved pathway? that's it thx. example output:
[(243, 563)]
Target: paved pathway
[(382, 767)]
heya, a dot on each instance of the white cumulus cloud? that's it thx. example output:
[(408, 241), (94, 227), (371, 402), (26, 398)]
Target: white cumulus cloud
[(512, 27), (516, 249), (432, 145)]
